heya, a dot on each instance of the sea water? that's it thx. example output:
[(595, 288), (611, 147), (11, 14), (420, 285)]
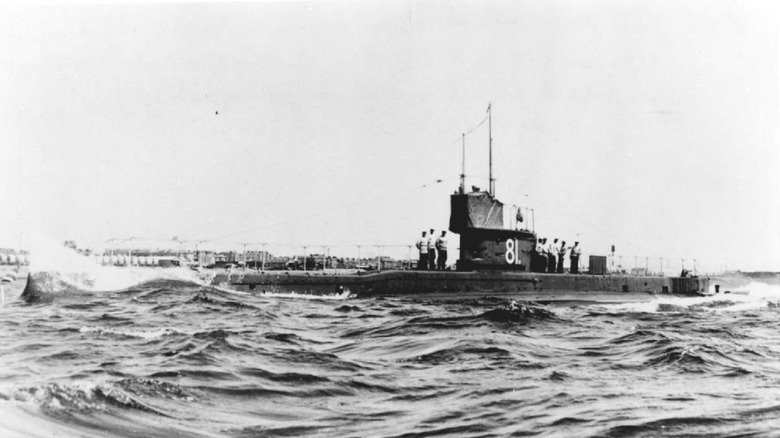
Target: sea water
[(168, 357)]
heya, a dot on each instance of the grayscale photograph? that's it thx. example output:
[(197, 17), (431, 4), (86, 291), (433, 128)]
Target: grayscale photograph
[(390, 218)]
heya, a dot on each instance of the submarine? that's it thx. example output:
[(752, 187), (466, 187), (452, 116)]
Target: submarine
[(494, 261)]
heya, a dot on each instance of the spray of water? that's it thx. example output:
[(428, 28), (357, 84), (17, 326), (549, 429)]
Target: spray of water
[(84, 273)]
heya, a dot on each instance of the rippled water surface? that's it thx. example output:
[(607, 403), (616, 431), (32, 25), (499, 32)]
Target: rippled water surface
[(173, 359)]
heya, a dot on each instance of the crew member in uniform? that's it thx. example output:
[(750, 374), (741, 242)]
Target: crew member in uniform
[(431, 251), (535, 255), (422, 247), (441, 248), (545, 255), (574, 258), (561, 256), (552, 250), (540, 260)]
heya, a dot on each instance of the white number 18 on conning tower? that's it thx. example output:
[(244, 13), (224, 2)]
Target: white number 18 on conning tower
[(512, 255)]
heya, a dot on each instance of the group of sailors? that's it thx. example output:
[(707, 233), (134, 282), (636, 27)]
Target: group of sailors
[(433, 251), (549, 257)]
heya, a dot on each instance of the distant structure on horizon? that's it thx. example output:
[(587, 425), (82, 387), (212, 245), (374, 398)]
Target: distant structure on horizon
[(13, 257)]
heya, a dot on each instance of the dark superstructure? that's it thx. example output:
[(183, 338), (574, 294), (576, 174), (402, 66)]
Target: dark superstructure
[(485, 244)]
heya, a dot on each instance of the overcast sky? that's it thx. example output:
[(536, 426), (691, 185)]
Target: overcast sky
[(650, 125)]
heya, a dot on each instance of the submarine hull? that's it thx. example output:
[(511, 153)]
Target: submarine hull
[(457, 285)]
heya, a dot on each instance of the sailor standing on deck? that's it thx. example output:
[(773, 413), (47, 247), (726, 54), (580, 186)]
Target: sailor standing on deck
[(431, 251), (574, 258), (422, 246), (561, 256), (441, 247), (552, 251), (543, 258), (536, 264)]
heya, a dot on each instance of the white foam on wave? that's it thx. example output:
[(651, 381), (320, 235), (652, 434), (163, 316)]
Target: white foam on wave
[(141, 334), (49, 395), (753, 296), (335, 296), (226, 289), (758, 295), (86, 274)]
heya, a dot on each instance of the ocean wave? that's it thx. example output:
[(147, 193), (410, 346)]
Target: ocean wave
[(347, 309), (139, 334), (155, 388), (287, 338), (558, 376), (304, 296), (79, 398), (184, 360), (205, 298), (292, 377), (328, 362), (90, 303), (643, 336), (687, 357), (701, 426), (106, 317), (250, 392), (516, 312), (409, 312), (175, 350), (461, 354), (415, 326), (720, 423), (277, 431), (474, 429), (424, 394)]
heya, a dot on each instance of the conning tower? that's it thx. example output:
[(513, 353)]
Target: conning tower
[(484, 242)]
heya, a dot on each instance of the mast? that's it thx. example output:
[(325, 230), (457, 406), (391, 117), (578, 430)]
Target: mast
[(491, 182), (463, 167)]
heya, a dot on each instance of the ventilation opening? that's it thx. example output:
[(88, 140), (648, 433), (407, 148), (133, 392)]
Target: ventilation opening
[(251, 287), (625, 288), (665, 289)]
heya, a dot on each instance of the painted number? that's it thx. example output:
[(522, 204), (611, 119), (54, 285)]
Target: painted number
[(512, 255)]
